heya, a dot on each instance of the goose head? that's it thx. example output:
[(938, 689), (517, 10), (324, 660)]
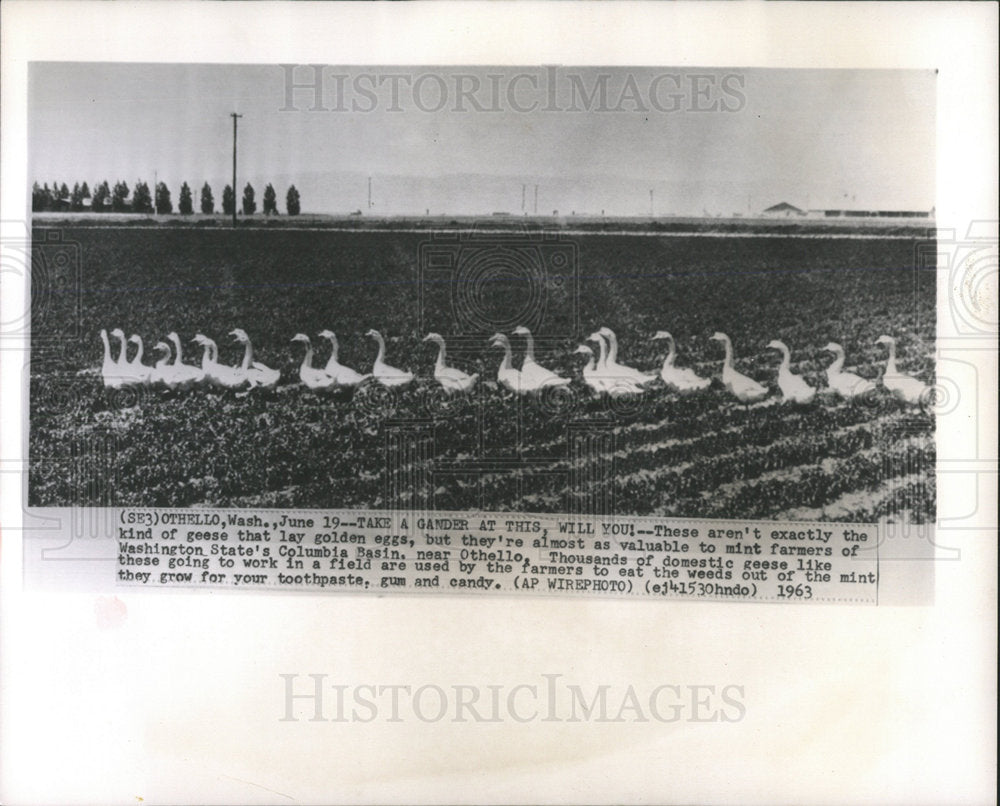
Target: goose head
[(437, 338), (720, 336), (161, 347), (329, 334), (374, 334), (240, 335), (888, 340), (172, 336), (584, 349), (135, 339), (831, 347), (499, 340), (661, 334), (777, 345), (521, 330), (118, 333), (596, 336), (301, 337)]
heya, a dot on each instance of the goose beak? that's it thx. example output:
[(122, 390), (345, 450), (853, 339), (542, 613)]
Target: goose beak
[(660, 334)]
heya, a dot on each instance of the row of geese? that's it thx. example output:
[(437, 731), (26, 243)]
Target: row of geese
[(602, 373)]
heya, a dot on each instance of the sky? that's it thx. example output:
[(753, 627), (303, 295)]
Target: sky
[(476, 140)]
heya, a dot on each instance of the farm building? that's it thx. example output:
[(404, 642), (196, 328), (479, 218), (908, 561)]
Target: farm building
[(782, 210), (861, 213)]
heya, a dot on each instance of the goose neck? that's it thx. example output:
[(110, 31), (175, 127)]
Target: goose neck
[(177, 346), (138, 350), (107, 345), (247, 356), (890, 365), (439, 364), (308, 357), (529, 350), (603, 360), (380, 357), (838, 361), (728, 345), (123, 351), (671, 352), (612, 347), (786, 359), (505, 362)]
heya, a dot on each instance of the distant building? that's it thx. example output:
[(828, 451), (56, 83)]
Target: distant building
[(782, 210), (852, 212)]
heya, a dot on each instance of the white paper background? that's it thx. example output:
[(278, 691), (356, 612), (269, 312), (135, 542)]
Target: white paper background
[(181, 701)]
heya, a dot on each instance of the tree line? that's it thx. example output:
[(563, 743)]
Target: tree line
[(119, 198)]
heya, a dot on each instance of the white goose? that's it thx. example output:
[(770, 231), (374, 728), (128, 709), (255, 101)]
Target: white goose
[(121, 363), (507, 376), (214, 373), (744, 389), (620, 370), (312, 378), (533, 374), (610, 381), (257, 374), (110, 372), (182, 376), (591, 377), (138, 372), (906, 388), (452, 379), (793, 387), (679, 379), (160, 372), (846, 384), (344, 376), (384, 374)]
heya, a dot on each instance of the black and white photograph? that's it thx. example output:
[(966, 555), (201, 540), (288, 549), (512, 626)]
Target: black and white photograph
[(490, 402), (633, 290)]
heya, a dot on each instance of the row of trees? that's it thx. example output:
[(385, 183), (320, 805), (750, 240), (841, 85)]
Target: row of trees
[(120, 199)]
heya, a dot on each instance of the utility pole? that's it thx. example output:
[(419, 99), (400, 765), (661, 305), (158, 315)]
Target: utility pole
[(524, 190), (536, 199), (234, 116)]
